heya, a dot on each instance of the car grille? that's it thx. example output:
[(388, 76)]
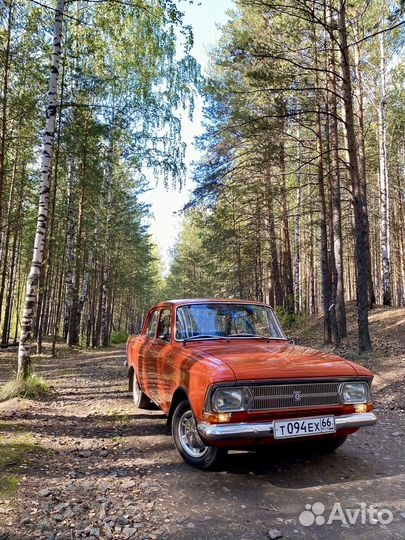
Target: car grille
[(294, 396)]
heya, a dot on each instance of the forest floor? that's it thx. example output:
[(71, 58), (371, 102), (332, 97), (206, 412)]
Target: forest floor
[(83, 463)]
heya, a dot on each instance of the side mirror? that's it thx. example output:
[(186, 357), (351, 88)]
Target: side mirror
[(293, 340)]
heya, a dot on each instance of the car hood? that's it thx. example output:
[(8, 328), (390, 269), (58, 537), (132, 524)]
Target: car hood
[(254, 359)]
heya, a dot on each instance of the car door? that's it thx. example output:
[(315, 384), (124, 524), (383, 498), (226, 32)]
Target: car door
[(149, 337), (164, 356), (158, 353)]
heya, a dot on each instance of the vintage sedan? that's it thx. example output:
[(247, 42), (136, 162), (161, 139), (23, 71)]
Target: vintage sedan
[(227, 377)]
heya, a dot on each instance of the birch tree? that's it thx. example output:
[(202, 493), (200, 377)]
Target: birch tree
[(137, 46), (24, 361)]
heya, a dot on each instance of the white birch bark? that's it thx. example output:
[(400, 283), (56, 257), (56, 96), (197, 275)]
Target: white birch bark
[(384, 197), (24, 361)]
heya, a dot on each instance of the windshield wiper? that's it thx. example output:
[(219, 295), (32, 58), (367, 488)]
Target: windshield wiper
[(203, 336), (246, 335)]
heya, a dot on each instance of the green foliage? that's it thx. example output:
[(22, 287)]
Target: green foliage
[(119, 337), (122, 92), (288, 320), (33, 387), (267, 93)]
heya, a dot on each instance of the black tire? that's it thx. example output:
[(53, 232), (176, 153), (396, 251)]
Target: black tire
[(188, 442), (328, 446), (141, 400)]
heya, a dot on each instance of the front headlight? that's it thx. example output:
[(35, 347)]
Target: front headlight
[(354, 392), (231, 399)]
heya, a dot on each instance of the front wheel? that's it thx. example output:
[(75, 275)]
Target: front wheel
[(188, 442)]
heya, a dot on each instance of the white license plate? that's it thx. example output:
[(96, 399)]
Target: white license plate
[(303, 427)]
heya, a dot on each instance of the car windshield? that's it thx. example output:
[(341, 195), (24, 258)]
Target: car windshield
[(216, 320)]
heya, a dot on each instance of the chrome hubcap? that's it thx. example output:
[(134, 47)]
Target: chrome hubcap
[(136, 390), (188, 435)]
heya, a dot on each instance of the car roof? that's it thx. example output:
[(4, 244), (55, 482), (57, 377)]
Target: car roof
[(185, 301)]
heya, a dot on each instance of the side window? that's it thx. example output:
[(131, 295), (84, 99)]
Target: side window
[(165, 325), (151, 329)]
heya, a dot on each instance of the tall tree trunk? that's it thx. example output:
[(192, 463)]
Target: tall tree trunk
[(297, 269), (334, 179), (276, 293), (70, 234), (85, 287), (323, 217), (8, 234), (105, 285), (237, 249), (324, 237), (105, 278), (15, 255), (286, 251), (359, 208), (98, 315), (332, 281), (43, 312), (11, 284), (3, 134), (401, 232), (312, 269), (361, 149), (73, 335), (18, 295), (24, 360), (384, 193), (58, 311), (258, 251)]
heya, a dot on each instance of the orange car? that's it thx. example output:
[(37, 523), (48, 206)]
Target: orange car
[(227, 377)]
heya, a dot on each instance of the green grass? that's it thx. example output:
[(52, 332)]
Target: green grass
[(14, 449), (122, 419), (8, 487), (33, 387)]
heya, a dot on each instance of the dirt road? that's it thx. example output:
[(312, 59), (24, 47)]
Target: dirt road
[(109, 471)]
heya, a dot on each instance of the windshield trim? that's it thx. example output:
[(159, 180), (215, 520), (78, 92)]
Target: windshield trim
[(282, 338)]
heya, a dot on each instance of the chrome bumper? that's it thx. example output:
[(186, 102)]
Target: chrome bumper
[(246, 430)]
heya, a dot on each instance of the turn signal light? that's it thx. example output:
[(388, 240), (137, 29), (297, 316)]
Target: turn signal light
[(217, 418), (363, 407)]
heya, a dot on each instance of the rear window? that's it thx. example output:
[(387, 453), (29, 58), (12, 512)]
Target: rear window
[(152, 325)]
